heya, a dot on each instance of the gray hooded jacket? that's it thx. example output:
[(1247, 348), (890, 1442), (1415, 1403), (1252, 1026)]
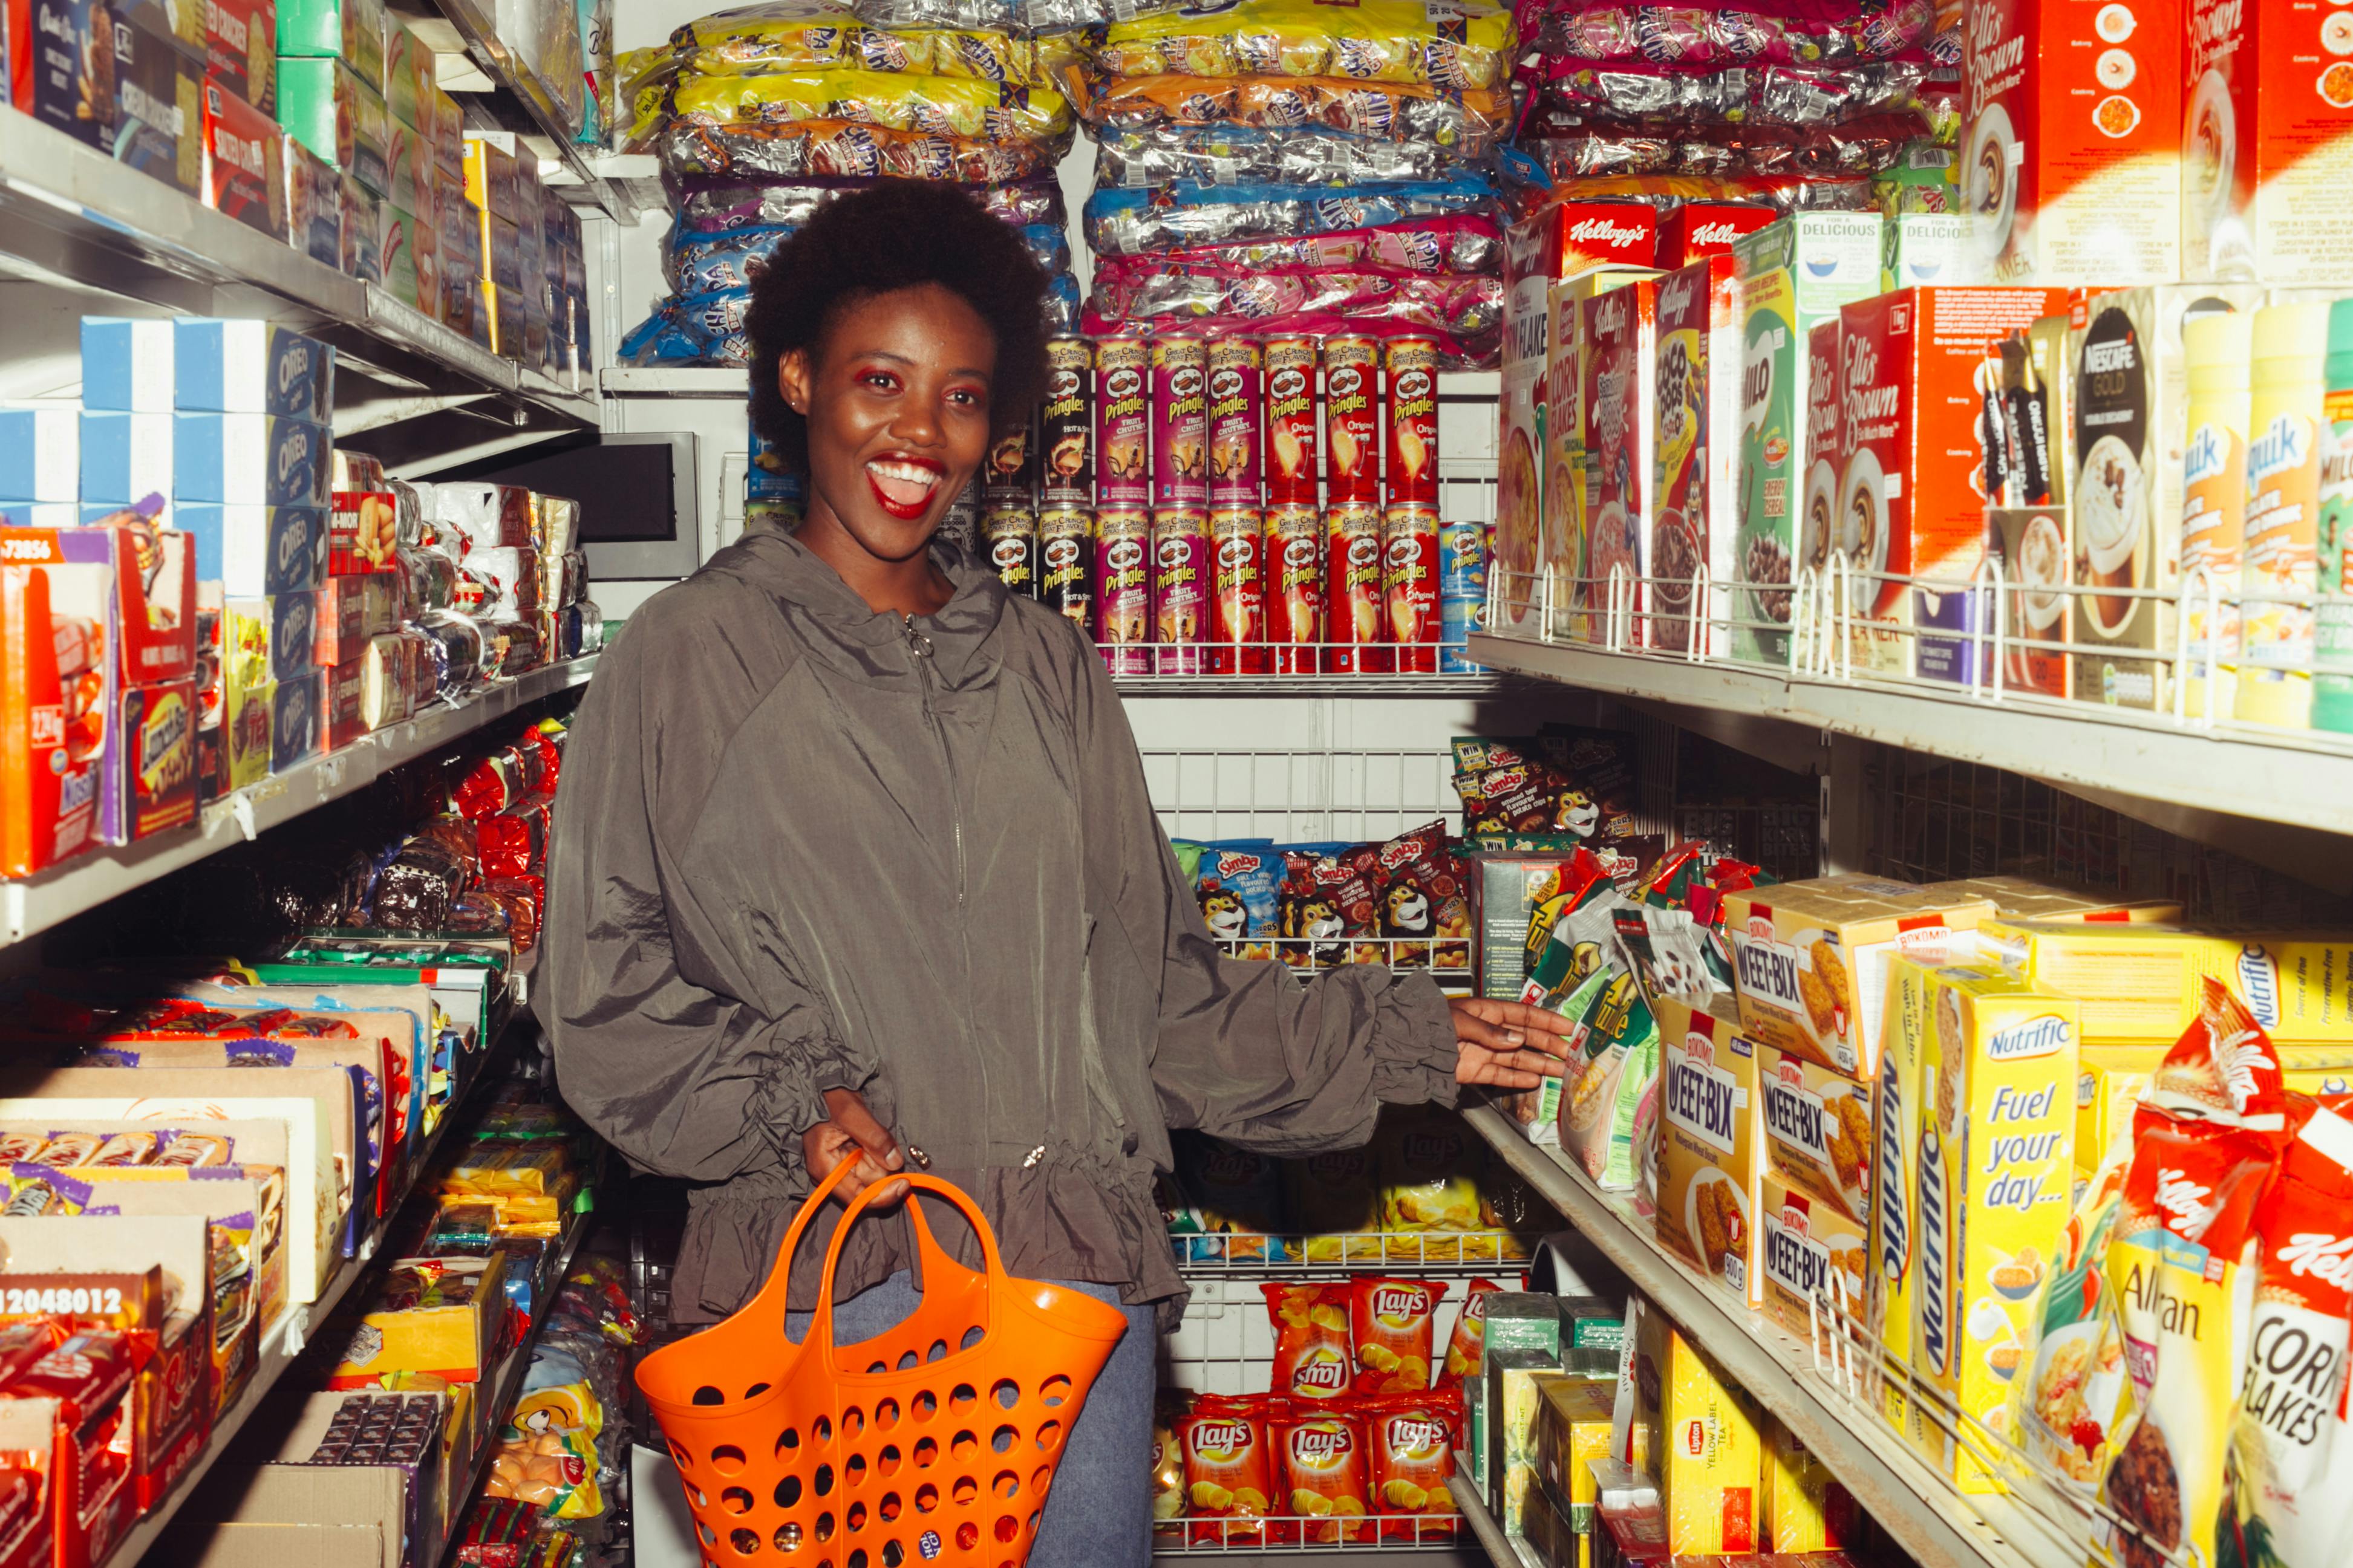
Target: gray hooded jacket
[(802, 846)]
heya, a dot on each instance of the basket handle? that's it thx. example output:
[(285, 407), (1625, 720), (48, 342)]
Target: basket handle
[(780, 1284), (927, 1249)]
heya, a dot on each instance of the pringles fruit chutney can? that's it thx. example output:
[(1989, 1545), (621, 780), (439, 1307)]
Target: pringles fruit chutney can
[(1123, 589), (1180, 423), (1123, 424), (1180, 590)]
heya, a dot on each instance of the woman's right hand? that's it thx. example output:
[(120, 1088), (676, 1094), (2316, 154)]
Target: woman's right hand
[(850, 1133)]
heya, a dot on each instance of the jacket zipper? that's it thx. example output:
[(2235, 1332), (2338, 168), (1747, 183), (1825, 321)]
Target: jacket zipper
[(920, 646)]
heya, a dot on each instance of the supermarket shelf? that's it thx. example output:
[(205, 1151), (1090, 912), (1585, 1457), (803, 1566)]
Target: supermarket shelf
[(2239, 770), (728, 381), (69, 212), (33, 906), (1455, 686), (1440, 1256), (1435, 1540), (1506, 1552), (1917, 1506), (475, 25)]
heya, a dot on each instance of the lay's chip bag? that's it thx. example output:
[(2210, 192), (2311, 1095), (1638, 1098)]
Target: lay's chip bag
[(1412, 1440), (1430, 1163), (1229, 1471), (1393, 1325), (1312, 1357), (1466, 1347), (1326, 1475)]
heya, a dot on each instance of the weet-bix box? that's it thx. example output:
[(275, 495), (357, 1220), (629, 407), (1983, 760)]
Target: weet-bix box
[(251, 367)]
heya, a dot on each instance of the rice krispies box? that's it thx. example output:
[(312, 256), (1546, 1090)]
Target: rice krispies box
[(1711, 1147), (1696, 455), (2070, 169), (1810, 960), (1913, 431), (2268, 178), (1619, 327)]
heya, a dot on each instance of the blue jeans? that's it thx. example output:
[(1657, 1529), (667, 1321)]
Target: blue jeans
[(1099, 1514)]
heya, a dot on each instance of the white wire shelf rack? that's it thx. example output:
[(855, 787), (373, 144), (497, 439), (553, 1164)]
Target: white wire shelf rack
[(1244, 1255), (1306, 1535)]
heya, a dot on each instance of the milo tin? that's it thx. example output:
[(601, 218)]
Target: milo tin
[(1356, 630), (1238, 591), (1181, 429), (1236, 413), (1066, 563), (1409, 583), (1294, 586), (1291, 420), (1180, 590), (1066, 427), (1410, 418), (1123, 424), (1352, 451), (1123, 589), (1008, 537), (1009, 475)]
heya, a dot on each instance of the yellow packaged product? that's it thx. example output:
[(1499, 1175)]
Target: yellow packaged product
[(1893, 1236), (1572, 1431), (529, 1183), (1818, 1129), (2142, 982), (1336, 1206), (1711, 1147), (1464, 44), (804, 34), (2073, 1381), (934, 105), (1703, 1436), (1809, 1251), (1995, 1129), (1810, 960), (1805, 1509), (1429, 1163), (2031, 899), (2109, 1078)]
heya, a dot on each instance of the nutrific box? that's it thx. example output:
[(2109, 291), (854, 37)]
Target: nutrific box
[(2267, 179), (2070, 170)]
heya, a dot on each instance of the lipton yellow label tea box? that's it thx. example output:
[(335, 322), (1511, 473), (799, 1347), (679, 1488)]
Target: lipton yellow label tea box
[(1711, 1147), (1814, 1259), (1810, 960), (1995, 1137), (1703, 1440), (1818, 1131), (2143, 981)]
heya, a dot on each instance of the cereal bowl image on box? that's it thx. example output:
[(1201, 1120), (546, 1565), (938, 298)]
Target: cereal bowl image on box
[(1863, 531), (1989, 179), (2210, 146), (1819, 525)]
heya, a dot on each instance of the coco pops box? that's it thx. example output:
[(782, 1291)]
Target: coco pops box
[(2267, 177), (1695, 451), (1619, 327)]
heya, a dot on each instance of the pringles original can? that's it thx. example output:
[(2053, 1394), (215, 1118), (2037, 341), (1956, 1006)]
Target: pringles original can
[(1238, 591), (1410, 418), (1237, 414), (1180, 590), (1291, 420), (1123, 424), (1008, 537), (1410, 571), (1009, 475), (1352, 455), (1294, 582), (1123, 589), (1066, 565), (1066, 427), (1180, 422), (1356, 630)]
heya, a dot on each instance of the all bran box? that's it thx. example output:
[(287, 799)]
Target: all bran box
[(1619, 330), (1792, 276), (1695, 449), (1711, 1148), (2071, 167), (1994, 1131), (2268, 178), (1915, 429)]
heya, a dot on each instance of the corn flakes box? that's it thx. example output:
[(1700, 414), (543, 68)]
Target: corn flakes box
[(2143, 981), (1711, 1147), (1818, 1131), (1810, 960), (1703, 1439), (1995, 1136), (1810, 1250)]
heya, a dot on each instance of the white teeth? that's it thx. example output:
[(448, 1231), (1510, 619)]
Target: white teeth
[(907, 473)]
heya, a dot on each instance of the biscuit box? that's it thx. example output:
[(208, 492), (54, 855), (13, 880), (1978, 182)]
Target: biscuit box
[(1711, 1147), (150, 783), (1818, 1131), (1810, 960), (1994, 1128), (1703, 1438), (1695, 449), (1619, 329), (314, 206), (1912, 451), (440, 1315), (2068, 178), (158, 102), (1811, 1252), (250, 460), (2263, 175), (251, 367), (2143, 981), (244, 162)]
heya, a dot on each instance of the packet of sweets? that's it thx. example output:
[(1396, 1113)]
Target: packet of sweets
[(1392, 1324), (1325, 1477), (1230, 1474), (1466, 1346), (1411, 1438), (1312, 1358)]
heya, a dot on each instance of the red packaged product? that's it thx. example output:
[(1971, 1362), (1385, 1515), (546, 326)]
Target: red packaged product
[(1409, 583), (1393, 1326), (57, 690), (1356, 637), (1410, 418), (1123, 424), (1352, 453), (244, 162), (1229, 1471), (1238, 596), (1291, 420), (1312, 1359), (1411, 1438), (1697, 229), (485, 788), (1180, 436), (1237, 414), (1326, 1475), (1466, 1347), (510, 843), (1294, 598)]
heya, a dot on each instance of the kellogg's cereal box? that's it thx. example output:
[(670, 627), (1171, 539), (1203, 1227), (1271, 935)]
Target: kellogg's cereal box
[(2071, 168), (1619, 328), (2266, 178), (1994, 1130), (1811, 1251), (1695, 447), (1810, 960), (1696, 230), (1703, 1440), (1818, 1131), (1711, 1147), (1568, 470)]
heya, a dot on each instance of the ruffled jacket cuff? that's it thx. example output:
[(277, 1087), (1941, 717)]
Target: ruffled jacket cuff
[(790, 1095), (1414, 1049)]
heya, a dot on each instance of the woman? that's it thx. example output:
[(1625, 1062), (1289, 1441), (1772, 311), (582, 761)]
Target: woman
[(856, 861)]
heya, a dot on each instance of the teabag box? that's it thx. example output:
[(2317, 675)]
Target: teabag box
[(1792, 276), (1917, 418), (2130, 384), (2071, 165), (2266, 177), (1619, 327), (1695, 359)]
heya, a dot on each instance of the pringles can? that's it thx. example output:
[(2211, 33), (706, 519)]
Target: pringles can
[(1237, 414), (1409, 572), (1295, 584), (1180, 422), (1009, 475), (1066, 427), (1351, 455), (1355, 629), (1291, 420), (1410, 418), (1238, 591), (1463, 560), (1459, 615), (1123, 589), (1180, 590), (1066, 565), (1008, 537), (1123, 424)]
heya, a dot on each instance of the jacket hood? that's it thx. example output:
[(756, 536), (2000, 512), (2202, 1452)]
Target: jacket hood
[(846, 632)]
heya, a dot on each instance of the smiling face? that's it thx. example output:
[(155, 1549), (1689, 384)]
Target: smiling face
[(897, 399)]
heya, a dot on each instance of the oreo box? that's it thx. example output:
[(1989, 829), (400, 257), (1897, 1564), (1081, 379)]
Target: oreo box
[(125, 457), (245, 162), (159, 117), (126, 366), (293, 634), (253, 550), (252, 459), (251, 367), (40, 454), (294, 724)]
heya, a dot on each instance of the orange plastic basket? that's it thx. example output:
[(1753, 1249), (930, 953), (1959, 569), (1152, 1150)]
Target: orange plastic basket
[(936, 1440)]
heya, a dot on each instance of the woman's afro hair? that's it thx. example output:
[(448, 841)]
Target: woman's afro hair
[(897, 234)]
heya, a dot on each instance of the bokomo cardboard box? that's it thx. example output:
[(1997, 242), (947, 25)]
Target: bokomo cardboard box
[(2268, 178), (2071, 167)]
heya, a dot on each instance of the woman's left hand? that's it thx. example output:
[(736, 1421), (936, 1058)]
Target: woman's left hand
[(1506, 1045)]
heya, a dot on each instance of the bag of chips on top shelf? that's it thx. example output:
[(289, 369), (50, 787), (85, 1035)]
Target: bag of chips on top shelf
[(1136, 157), (1269, 299), (1463, 244), (937, 106), (1469, 124), (1465, 44), (710, 207), (699, 329), (1787, 32), (1126, 223), (1569, 148), (1312, 1354), (1780, 95), (799, 34)]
